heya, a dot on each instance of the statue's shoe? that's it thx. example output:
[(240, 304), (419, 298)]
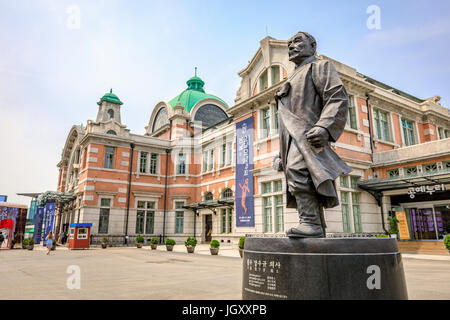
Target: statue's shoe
[(305, 230)]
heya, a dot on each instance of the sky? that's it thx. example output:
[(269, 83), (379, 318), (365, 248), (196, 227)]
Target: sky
[(58, 58)]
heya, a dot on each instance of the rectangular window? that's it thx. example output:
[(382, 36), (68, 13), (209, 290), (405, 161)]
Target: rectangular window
[(275, 74), (224, 155), (279, 220), (267, 187), (230, 221), (265, 113), (447, 134), (229, 152), (140, 215), (277, 186), (354, 182), (345, 212), (343, 180), (103, 222), (205, 161), (150, 222), (263, 81), (408, 132), (440, 133), (109, 157), (223, 224), (275, 120), (211, 160), (267, 214), (179, 217), (356, 212), (351, 119), (181, 164), (382, 125), (154, 163), (143, 162)]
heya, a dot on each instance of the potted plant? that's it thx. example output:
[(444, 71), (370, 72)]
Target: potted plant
[(104, 242), (190, 244), (30, 245), (447, 242), (214, 247), (54, 245), (25, 243), (241, 246), (154, 243), (169, 244), (382, 236), (139, 241), (393, 226)]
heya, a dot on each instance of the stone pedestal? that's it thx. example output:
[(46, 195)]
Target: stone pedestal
[(326, 269)]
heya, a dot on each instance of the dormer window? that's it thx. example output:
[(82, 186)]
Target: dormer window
[(269, 77), (110, 114), (263, 81), (275, 74)]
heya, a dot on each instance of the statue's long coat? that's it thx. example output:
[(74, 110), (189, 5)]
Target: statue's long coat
[(314, 96)]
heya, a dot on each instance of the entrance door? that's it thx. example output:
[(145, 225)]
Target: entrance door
[(423, 223), (208, 228)]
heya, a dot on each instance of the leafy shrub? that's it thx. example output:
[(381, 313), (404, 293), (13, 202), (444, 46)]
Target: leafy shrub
[(383, 236), (214, 244), (241, 243), (393, 225), (105, 240), (139, 239), (25, 242), (191, 241), (54, 241), (30, 242), (447, 242), (154, 240), (170, 242)]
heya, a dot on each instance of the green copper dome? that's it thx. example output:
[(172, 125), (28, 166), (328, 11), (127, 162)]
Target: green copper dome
[(193, 94), (110, 97)]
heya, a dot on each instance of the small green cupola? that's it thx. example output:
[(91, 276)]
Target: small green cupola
[(110, 97)]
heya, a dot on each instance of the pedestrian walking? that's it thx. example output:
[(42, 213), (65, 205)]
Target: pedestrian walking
[(49, 242), (63, 237)]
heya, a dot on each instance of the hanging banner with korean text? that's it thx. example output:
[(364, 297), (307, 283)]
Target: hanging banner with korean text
[(38, 219), (48, 219), (244, 203)]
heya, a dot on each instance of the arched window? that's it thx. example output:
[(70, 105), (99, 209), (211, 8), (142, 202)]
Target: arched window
[(209, 196), (110, 114), (227, 193), (112, 132), (209, 115), (162, 117)]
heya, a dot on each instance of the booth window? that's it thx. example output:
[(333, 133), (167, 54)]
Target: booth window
[(143, 162), (145, 217), (179, 217), (153, 163), (103, 223), (273, 215), (109, 157)]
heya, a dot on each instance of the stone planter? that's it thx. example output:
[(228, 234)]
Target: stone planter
[(190, 249), (104, 245), (139, 245), (214, 251), (154, 246), (169, 248), (30, 247), (53, 247), (241, 252)]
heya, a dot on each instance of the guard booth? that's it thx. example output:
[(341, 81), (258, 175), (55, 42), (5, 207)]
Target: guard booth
[(79, 235)]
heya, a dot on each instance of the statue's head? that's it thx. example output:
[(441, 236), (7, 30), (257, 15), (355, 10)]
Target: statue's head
[(301, 46)]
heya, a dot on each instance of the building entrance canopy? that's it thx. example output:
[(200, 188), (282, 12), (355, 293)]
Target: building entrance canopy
[(211, 205)]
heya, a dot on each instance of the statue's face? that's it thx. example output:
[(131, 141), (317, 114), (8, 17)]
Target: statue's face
[(300, 47)]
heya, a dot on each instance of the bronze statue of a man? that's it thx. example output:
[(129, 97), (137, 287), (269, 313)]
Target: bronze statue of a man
[(312, 108)]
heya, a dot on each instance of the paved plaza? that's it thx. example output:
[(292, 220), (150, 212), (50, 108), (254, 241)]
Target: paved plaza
[(131, 273)]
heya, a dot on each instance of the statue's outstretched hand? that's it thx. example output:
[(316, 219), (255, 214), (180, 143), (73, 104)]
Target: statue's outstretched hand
[(318, 137), (277, 165)]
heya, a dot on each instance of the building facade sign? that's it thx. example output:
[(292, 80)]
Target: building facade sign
[(38, 219), (245, 216), (425, 189), (48, 219)]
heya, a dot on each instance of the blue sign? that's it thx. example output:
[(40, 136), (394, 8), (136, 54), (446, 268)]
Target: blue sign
[(48, 219), (244, 205), (38, 218), (3, 198), (32, 210)]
